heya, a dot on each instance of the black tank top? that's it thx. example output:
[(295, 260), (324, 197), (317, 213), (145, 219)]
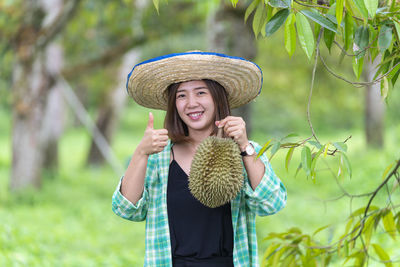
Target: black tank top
[(200, 236)]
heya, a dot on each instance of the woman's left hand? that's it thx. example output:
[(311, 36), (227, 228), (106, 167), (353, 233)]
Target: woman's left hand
[(235, 127)]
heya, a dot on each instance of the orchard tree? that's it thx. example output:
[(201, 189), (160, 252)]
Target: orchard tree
[(367, 31)]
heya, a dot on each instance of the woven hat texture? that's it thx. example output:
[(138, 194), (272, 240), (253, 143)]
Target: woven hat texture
[(148, 81)]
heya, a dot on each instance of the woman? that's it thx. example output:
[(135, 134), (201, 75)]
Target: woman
[(197, 89)]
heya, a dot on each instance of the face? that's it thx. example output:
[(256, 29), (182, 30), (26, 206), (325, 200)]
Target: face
[(195, 106)]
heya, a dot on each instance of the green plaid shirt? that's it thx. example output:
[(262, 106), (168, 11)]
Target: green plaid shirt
[(268, 198)]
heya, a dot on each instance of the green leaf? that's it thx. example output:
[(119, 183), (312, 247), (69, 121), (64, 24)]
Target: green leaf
[(348, 31), (394, 71), (320, 229), (361, 7), (314, 159), (348, 225), (305, 34), (290, 34), (339, 11), (367, 230), (386, 171), (384, 88), (349, 7), (317, 29), (385, 38), (358, 66), (329, 36), (340, 146), (274, 149), (298, 169), (271, 249), (250, 9), (321, 20), (277, 256), (280, 3), (397, 26), (306, 159), (234, 2), (382, 255), (362, 211), (292, 134), (372, 6), (361, 39), (276, 21), (316, 144), (259, 19), (289, 157), (156, 4), (326, 148), (264, 148), (346, 163), (389, 224)]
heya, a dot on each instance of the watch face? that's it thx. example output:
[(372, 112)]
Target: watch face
[(249, 150)]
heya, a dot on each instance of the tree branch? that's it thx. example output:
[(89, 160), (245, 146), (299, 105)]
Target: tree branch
[(392, 173), (47, 34), (312, 85), (308, 5), (108, 56)]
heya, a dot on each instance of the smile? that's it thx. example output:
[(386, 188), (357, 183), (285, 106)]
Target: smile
[(196, 115)]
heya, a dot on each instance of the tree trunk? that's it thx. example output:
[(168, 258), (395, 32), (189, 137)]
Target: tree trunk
[(227, 33), (109, 112), (30, 92), (374, 108), (32, 82), (54, 115)]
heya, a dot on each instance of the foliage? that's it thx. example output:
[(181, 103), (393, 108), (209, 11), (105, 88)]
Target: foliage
[(361, 29), (368, 28)]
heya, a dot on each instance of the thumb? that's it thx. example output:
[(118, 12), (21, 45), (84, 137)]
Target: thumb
[(150, 124)]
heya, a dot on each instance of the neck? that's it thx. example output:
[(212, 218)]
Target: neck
[(196, 137)]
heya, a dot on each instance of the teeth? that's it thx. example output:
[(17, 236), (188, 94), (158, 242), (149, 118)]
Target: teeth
[(195, 115)]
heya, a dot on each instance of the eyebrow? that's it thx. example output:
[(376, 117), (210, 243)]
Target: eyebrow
[(197, 88)]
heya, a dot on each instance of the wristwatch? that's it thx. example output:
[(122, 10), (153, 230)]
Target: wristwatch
[(249, 150)]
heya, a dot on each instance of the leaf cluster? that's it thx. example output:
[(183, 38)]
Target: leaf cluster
[(361, 29)]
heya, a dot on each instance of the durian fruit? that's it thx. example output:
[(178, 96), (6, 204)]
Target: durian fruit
[(216, 173)]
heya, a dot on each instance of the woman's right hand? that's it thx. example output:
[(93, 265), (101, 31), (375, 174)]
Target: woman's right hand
[(153, 140)]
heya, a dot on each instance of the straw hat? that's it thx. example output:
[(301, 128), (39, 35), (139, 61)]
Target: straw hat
[(148, 81)]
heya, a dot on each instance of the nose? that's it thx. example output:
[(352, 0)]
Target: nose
[(192, 101)]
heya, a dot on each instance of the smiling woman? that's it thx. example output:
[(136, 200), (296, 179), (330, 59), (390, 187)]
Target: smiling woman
[(197, 90), (209, 89)]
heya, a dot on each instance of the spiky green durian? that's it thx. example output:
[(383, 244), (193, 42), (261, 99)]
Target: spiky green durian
[(216, 173)]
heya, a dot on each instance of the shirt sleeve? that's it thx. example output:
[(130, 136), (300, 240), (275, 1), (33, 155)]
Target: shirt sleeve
[(270, 195), (124, 208)]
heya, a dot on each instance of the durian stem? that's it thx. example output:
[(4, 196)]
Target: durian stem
[(220, 131)]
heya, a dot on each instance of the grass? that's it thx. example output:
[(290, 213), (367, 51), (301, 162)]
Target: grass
[(69, 222)]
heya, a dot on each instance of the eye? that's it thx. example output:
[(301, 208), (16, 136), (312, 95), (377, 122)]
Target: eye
[(201, 92), (180, 96)]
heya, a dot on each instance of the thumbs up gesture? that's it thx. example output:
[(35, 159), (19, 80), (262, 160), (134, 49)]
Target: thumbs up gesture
[(153, 140)]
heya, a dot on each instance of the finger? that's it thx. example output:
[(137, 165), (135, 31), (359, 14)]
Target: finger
[(161, 147), (222, 122), (234, 128), (163, 138), (162, 131), (150, 123)]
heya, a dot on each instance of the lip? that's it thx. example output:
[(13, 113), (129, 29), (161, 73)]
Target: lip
[(195, 115)]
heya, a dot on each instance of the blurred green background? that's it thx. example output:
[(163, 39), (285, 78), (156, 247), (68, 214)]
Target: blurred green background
[(69, 222)]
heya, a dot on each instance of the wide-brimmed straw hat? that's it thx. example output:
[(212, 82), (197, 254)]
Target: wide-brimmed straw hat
[(148, 81)]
